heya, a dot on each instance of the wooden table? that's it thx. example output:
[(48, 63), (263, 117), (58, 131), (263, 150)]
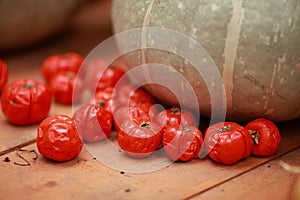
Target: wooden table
[(87, 178)]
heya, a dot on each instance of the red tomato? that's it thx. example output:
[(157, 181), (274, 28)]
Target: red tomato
[(227, 142), (62, 87), (139, 113), (60, 63), (57, 138), (95, 67), (182, 143), (3, 74), (266, 137), (139, 140), (175, 116), (25, 102), (128, 95), (93, 122), (107, 77), (104, 98)]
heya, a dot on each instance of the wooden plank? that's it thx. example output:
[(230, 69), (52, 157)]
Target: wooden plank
[(269, 181), (85, 177)]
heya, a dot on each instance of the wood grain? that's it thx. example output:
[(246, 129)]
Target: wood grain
[(269, 181)]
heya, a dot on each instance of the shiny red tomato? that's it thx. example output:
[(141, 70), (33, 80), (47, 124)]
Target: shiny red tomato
[(182, 143), (139, 113), (107, 77), (60, 63), (3, 74), (139, 140), (227, 142), (128, 95), (57, 138), (175, 116), (266, 137), (93, 122), (26, 101), (104, 98), (63, 87)]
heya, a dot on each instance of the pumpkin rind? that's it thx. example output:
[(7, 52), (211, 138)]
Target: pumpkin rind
[(256, 47)]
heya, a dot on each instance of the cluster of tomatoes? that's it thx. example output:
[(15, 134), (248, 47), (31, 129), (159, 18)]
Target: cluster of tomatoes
[(142, 126)]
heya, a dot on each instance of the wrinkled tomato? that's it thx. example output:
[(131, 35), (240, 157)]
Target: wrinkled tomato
[(57, 138), (94, 123), (62, 86), (104, 98), (227, 142), (138, 113), (104, 77), (128, 95), (266, 137), (175, 116), (25, 101), (61, 63), (139, 140), (182, 143)]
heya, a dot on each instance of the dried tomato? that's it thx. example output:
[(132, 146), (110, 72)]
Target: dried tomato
[(182, 143), (139, 140), (60, 63), (94, 123), (104, 77), (228, 142), (128, 95), (266, 137), (138, 113), (173, 116), (62, 86), (26, 101), (57, 138)]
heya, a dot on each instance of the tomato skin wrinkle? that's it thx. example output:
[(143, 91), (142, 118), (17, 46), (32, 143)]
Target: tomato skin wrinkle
[(58, 139), (175, 116), (266, 136), (62, 86), (94, 122), (29, 98), (228, 142), (182, 143), (139, 140), (61, 63)]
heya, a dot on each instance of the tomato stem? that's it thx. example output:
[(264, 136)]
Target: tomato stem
[(145, 125), (186, 128), (175, 110), (70, 74), (225, 128), (28, 86), (255, 136), (100, 103)]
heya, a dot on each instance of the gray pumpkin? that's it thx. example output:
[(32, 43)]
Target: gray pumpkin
[(255, 45)]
